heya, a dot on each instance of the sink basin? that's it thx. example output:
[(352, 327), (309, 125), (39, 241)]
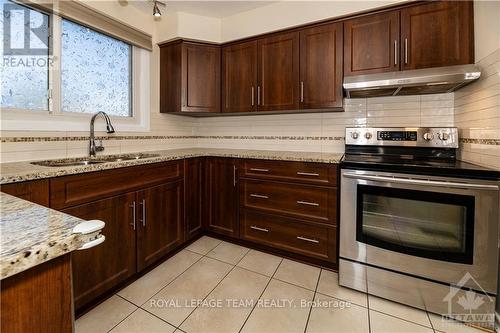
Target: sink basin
[(86, 161)]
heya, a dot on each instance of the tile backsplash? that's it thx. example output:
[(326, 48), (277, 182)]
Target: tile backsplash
[(477, 115), (323, 131)]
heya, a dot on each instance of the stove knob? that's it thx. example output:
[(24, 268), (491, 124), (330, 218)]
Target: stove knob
[(443, 136), (354, 135), (368, 135), (428, 136)]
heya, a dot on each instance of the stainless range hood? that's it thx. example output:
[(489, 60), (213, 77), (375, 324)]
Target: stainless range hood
[(411, 82)]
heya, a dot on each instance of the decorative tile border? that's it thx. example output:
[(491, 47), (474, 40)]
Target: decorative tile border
[(159, 137), (212, 137), (493, 142)]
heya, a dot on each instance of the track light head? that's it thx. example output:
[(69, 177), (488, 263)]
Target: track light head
[(156, 10)]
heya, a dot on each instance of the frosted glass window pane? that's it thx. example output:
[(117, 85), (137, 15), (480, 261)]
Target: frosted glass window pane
[(24, 68), (95, 72)]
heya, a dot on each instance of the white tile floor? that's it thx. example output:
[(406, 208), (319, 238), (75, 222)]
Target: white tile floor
[(243, 290)]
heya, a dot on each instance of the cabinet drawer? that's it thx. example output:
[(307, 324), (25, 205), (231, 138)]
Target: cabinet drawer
[(72, 190), (312, 173), (294, 200), (289, 234)]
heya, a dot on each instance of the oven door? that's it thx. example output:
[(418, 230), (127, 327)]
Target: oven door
[(431, 227)]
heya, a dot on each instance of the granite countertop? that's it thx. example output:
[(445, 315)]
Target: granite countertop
[(23, 171), (31, 234)]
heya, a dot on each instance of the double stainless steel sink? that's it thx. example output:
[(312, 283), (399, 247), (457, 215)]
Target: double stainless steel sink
[(88, 161)]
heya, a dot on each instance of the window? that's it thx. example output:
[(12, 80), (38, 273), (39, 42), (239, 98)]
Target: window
[(25, 47), (55, 73), (95, 72)]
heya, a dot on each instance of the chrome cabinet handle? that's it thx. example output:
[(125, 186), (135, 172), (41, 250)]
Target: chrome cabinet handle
[(260, 196), (143, 203), (406, 50), (424, 182), (234, 175), (301, 91), (259, 170), (310, 240), (312, 174), (259, 229), (395, 52), (258, 95), (307, 203), (133, 214), (253, 96)]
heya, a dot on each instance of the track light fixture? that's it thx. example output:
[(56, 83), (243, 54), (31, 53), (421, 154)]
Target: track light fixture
[(156, 10)]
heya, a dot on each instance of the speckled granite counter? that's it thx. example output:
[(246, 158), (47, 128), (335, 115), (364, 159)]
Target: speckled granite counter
[(23, 171), (31, 234)]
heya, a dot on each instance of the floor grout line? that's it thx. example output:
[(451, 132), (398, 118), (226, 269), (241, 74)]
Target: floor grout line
[(145, 310), (313, 300), (175, 278), (223, 278), (125, 316), (262, 293), (406, 320)]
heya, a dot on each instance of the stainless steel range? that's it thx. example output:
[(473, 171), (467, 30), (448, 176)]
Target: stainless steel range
[(417, 226)]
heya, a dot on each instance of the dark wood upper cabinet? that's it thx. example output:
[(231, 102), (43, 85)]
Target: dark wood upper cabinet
[(321, 67), (278, 65), (100, 268), (193, 196), (239, 77), (221, 198), (439, 33), (371, 44), (189, 77), (159, 222)]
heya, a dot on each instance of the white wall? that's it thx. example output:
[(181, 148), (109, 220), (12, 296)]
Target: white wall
[(286, 14), (186, 25), (486, 28)]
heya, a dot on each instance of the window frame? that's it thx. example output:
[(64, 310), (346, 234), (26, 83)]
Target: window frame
[(54, 119)]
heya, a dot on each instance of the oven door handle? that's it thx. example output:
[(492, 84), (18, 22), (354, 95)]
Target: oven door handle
[(409, 181)]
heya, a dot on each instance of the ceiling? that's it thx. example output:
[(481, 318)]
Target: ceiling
[(208, 8)]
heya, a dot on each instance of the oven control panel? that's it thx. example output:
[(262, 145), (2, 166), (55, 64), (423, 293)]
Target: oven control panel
[(444, 137)]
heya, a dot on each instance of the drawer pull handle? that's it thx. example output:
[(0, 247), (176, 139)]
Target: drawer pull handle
[(260, 196), (307, 203), (311, 174), (308, 239), (259, 229), (259, 170)]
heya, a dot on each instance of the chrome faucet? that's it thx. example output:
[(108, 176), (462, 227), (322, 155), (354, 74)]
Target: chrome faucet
[(93, 148)]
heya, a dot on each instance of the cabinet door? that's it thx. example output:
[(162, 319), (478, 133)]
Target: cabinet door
[(193, 190), (98, 269), (36, 191), (159, 222), (200, 78), (239, 77), (222, 196), (278, 64), (371, 44), (321, 67), (437, 34)]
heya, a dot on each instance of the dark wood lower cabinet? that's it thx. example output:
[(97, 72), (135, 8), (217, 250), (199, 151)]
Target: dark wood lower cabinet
[(159, 222), (313, 240), (221, 197), (36, 191), (193, 197), (287, 207), (98, 269), (38, 299)]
